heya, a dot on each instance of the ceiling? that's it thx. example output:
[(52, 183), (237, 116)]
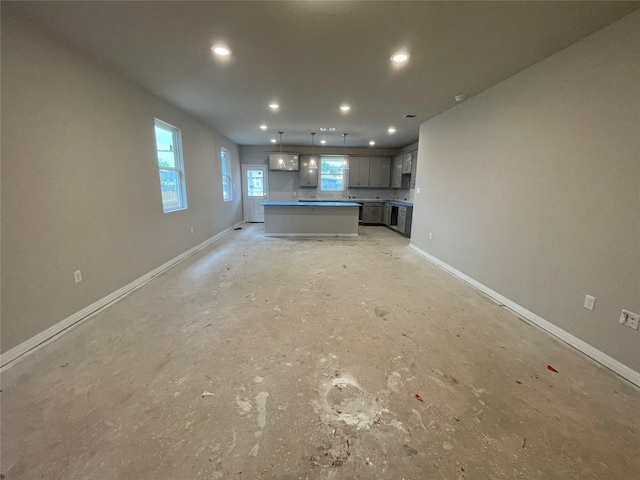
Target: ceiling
[(311, 57)]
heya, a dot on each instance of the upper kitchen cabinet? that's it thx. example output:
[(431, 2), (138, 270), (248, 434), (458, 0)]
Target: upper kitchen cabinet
[(307, 177), (396, 172), (414, 164), (406, 162), (359, 168), (379, 172)]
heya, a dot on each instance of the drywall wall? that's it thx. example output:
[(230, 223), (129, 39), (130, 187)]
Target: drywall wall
[(532, 188), (283, 186), (80, 187)]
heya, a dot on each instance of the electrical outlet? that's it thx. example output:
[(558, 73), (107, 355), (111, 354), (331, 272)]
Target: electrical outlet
[(191, 230), (430, 235), (418, 190), (630, 319), (589, 302), (77, 276)]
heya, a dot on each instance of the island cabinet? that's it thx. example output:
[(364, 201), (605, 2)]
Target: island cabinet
[(307, 177), (379, 172), (359, 171)]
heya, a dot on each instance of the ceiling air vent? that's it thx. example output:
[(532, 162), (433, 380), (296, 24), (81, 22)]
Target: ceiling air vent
[(410, 115)]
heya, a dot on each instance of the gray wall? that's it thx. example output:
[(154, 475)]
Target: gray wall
[(80, 187), (283, 186), (532, 188)]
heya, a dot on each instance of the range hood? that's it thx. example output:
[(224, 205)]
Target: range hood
[(284, 162)]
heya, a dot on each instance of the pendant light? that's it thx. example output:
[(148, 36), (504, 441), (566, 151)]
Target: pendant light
[(281, 159), (345, 159), (313, 164)]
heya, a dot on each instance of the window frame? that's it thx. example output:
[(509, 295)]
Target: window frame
[(178, 167), (225, 167), (343, 174)]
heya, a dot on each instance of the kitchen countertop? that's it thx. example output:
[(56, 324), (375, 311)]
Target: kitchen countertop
[(400, 202), (315, 203), (358, 200)]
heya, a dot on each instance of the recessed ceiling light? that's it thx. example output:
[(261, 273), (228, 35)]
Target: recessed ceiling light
[(274, 106), (273, 140), (345, 108), (400, 57), (391, 130), (460, 98), (332, 129), (323, 141), (221, 50), (263, 127), (372, 143)]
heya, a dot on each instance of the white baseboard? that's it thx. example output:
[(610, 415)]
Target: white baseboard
[(600, 357), (8, 358)]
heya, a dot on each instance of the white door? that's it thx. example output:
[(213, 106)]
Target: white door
[(254, 191)]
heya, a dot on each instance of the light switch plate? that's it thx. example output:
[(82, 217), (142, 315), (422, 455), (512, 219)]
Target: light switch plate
[(589, 302)]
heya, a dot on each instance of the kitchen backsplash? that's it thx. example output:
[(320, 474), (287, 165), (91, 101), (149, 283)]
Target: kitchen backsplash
[(404, 194)]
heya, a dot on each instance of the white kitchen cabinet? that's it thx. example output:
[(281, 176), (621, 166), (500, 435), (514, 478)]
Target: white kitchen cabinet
[(307, 177), (396, 172), (379, 172), (359, 172), (414, 165), (406, 162)]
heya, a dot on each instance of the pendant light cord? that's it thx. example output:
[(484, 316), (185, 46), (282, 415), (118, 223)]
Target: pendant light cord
[(345, 164)]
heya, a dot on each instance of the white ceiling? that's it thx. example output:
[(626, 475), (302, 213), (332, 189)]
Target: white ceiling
[(311, 57)]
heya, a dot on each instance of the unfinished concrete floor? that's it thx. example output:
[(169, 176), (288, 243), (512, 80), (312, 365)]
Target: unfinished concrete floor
[(313, 351)]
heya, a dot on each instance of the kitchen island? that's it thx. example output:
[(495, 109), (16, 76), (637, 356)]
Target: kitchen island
[(395, 214), (311, 219)]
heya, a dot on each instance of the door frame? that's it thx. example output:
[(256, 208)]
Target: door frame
[(245, 190)]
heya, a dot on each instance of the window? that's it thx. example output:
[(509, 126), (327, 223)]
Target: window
[(225, 161), (170, 167), (255, 183), (331, 173)]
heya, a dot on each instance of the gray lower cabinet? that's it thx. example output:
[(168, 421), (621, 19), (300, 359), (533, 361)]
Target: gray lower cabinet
[(379, 172), (398, 218), (405, 215), (359, 172), (307, 177), (402, 219), (372, 212), (386, 214)]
